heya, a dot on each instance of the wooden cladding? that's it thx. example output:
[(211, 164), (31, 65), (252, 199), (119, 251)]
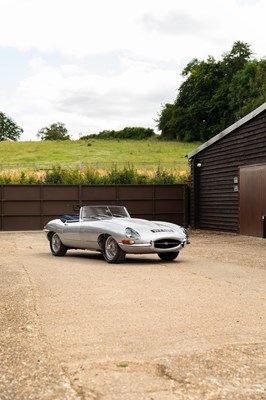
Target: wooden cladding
[(215, 190)]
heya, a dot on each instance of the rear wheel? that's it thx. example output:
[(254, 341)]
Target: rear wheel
[(168, 256), (56, 246), (112, 252)]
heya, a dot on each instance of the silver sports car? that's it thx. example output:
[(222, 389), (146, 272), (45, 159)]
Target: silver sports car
[(111, 230)]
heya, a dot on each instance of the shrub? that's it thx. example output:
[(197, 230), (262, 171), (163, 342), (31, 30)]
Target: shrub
[(164, 177), (5, 179), (55, 176), (125, 176), (90, 176), (135, 133)]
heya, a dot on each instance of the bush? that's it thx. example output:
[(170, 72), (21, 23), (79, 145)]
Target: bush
[(6, 179), (135, 133), (115, 176), (91, 177), (125, 176), (54, 176), (164, 177), (63, 176)]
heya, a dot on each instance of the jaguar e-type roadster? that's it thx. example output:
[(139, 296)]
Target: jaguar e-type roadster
[(111, 230)]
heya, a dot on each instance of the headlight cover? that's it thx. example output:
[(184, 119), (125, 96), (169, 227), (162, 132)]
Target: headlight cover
[(132, 234)]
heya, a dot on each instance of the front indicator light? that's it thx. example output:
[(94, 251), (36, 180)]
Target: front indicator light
[(128, 241)]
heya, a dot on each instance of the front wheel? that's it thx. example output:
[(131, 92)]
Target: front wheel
[(168, 256), (112, 252), (56, 246)]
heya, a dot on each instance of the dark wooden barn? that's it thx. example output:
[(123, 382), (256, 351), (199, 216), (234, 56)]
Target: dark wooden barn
[(228, 178)]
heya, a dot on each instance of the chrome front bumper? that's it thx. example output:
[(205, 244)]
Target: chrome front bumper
[(149, 247)]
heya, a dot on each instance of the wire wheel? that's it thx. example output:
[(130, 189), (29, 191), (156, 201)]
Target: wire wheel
[(112, 252), (57, 247)]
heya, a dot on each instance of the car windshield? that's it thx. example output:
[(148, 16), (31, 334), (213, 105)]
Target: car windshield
[(104, 212)]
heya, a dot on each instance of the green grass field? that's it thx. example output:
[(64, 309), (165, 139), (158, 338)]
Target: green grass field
[(26, 155)]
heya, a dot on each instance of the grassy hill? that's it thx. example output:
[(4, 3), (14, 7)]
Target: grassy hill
[(100, 153)]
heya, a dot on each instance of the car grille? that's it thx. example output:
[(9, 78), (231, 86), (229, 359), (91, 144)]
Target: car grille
[(166, 243)]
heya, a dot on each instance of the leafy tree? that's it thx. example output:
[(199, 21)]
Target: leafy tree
[(194, 114), (166, 123), (236, 58), (248, 88), (214, 94), (8, 128), (56, 131), (233, 63)]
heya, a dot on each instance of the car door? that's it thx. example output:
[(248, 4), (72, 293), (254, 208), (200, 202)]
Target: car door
[(71, 234), (89, 232)]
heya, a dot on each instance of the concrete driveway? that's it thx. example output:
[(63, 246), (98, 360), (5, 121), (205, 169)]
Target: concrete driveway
[(75, 327)]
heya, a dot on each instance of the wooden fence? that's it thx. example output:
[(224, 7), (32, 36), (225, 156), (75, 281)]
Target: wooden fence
[(30, 207)]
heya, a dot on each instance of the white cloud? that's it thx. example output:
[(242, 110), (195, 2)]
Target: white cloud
[(109, 64), (70, 94)]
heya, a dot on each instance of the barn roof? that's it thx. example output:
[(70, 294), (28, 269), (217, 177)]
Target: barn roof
[(228, 130)]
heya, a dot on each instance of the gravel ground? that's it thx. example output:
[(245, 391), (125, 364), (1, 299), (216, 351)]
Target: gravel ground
[(27, 370), (78, 328)]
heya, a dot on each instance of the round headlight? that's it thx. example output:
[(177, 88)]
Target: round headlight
[(132, 234)]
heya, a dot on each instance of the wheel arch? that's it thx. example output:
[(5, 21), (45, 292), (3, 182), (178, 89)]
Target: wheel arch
[(50, 235), (101, 239)]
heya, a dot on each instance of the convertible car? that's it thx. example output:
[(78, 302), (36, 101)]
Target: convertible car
[(111, 230)]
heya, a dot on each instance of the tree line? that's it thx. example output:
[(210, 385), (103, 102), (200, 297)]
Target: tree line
[(213, 95), (136, 133)]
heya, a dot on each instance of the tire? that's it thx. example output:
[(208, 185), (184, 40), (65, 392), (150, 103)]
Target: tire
[(168, 256), (112, 252), (56, 246)]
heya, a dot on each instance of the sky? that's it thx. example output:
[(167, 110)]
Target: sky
[(108, 64)]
